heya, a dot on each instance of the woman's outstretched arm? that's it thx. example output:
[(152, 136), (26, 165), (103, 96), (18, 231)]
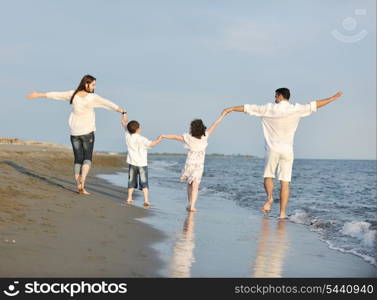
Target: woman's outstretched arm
[(173, 137), (51, 95), (214, 125), (107, 104)]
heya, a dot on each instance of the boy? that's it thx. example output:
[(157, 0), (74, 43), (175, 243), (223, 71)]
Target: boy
[(137, 158)]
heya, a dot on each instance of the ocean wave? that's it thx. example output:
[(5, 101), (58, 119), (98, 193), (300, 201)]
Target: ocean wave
[(300, 217), (361, 231), (365, 257), (333, 232)]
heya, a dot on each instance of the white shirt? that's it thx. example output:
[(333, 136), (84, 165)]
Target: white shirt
[(279, 122), (137, 149), (82, 119), (194, 144)]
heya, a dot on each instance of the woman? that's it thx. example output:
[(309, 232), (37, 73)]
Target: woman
[(81, 123)]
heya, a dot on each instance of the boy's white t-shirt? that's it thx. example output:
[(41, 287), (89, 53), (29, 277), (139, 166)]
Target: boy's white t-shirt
[(137, 149)]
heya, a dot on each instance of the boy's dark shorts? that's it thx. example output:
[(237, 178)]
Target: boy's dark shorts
[(137, 177)]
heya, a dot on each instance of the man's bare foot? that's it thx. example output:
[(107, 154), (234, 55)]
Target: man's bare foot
[(191, 209), (267, 205), (283, 216), (147, 204), (129, 201)]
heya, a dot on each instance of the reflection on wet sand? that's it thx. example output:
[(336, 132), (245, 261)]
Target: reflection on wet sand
[(183, 251), (272, 247)]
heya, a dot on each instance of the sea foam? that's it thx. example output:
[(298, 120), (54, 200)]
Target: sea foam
[(360, 230)]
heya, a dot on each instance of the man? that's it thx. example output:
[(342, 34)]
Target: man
[(279, 122)]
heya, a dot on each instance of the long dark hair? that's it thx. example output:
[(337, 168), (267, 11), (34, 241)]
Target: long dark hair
[(82, 86), (197, 128)]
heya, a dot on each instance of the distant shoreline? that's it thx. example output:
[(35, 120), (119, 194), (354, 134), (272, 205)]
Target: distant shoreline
[(16, 141)]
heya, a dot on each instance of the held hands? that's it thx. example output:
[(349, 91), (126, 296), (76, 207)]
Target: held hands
[(124, 120), (225, 112)]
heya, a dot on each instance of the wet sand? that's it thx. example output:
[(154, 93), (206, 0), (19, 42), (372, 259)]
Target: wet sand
[(48, 230), (225, 240)]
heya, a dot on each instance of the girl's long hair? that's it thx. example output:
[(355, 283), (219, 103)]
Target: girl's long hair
[(87, 79), (197, 128)]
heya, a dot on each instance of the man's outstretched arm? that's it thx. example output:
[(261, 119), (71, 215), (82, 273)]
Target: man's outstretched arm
[(326, 101), (232, 109)]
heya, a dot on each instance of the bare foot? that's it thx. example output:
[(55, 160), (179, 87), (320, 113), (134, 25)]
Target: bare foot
[(78, 184), (191, 209), (146, 203), (84, 192), (267, 205), (283, 216), (81, 189), (129, 201)]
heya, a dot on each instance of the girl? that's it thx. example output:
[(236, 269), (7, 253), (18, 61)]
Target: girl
[(81, 123), (196, 142)]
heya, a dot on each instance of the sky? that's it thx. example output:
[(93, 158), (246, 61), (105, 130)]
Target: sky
[(169, 62)]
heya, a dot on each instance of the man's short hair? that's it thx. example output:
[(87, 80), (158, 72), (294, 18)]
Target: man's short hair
[(132, 126), (284, 92)]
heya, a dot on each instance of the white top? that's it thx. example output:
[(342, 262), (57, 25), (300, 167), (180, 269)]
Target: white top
[(194, 165), (194, 144), (280, 121), (137, 149), (82, 119)]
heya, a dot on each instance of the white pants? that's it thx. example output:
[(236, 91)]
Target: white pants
[(283, 162)]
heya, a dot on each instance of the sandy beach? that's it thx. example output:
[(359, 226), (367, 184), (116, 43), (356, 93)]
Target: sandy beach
[(48, 230)]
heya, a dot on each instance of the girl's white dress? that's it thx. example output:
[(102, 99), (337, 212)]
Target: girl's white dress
[(194, 165)]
